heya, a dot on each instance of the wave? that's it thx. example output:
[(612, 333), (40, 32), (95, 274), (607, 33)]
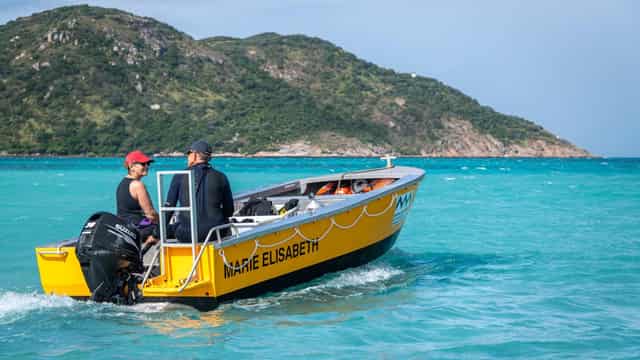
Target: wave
[(357, 288), (359, 276), (438, 265), (366, 279), (14, 306), (152, 308)]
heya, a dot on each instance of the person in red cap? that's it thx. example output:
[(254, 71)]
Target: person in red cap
[(132, 199)]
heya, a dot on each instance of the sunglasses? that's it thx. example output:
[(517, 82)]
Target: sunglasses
[(143, 164)]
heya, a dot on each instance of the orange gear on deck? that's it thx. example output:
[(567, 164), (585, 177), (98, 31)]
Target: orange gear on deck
[(343, 190), (326, 189), (380, 183)]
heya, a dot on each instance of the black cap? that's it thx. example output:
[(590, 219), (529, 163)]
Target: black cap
[(200, 146)]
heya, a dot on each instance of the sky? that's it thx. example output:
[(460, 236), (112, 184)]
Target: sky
[(570, 66)]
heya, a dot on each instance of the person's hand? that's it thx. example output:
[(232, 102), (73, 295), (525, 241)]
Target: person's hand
[(154, 217), (151, 240)]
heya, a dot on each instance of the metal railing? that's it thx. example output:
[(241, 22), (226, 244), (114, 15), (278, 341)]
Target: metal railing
[(164, 209), (204, 246), (148, 272), (193, 226)]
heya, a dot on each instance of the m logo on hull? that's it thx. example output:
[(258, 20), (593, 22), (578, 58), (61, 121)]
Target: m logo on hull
[(403, 204)]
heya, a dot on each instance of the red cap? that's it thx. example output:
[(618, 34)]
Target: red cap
[(136, 156)]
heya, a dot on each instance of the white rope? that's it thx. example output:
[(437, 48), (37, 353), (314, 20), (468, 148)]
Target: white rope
[(326, 232), (393, 198), (346, 227), (296, 231), (279, 242), (226, 263)]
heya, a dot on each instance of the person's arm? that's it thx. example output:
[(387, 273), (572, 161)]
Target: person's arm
[(227, 198), (174, 191), (139, 192)]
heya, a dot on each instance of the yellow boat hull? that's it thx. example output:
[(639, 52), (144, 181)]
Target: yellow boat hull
[(269, 262)]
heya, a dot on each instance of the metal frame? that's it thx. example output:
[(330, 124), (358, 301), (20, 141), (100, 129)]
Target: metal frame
[(191, 209), (148, 272), (193, 215), (204, 246)]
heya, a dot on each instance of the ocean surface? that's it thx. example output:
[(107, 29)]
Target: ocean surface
[(498, 258)]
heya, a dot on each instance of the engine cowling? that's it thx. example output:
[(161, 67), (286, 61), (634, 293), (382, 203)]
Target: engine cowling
[(108, 250)]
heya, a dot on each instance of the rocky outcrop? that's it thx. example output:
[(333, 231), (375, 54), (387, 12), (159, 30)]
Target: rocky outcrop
[(327, 144), (463, 140)]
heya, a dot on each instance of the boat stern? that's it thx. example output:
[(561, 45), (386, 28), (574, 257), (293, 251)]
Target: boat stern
[(60, 271)]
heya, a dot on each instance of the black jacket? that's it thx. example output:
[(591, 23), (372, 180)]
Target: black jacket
[(214, 201)]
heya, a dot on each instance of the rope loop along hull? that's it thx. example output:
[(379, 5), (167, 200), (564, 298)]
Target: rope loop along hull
[(271, 257), (353, 259)]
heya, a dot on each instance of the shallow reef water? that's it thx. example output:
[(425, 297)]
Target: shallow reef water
[(499, 258)]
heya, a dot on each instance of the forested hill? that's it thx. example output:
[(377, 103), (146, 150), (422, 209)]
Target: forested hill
[(88, 80)]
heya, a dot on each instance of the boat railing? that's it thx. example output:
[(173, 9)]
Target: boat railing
[(216, 230), (194, 266), (193, 224), (193, 216), (151, 264), (187, 280)]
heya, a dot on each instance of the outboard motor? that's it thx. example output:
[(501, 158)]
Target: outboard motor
[(109, 253)]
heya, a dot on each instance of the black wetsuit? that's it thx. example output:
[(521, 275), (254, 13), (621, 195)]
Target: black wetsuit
[(214, 201)]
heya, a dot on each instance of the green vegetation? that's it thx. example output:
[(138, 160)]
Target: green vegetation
[(86, 80)]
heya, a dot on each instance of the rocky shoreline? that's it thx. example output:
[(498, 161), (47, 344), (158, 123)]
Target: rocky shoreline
[(467, 145), (299, 155)]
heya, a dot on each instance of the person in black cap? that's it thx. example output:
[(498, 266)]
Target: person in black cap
[(214, 200)]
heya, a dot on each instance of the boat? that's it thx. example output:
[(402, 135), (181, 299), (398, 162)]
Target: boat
[(315, 226)]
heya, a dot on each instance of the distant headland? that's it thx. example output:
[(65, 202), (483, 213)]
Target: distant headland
[(86, 80)]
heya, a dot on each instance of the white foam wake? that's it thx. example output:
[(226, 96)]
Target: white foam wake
[(366, 276), (14, 305), (362, 276), (152, 308), (346, 284)]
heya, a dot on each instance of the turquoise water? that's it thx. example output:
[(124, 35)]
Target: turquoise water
[(498, 259)]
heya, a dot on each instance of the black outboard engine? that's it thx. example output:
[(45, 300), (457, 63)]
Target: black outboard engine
[(109, 253)]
